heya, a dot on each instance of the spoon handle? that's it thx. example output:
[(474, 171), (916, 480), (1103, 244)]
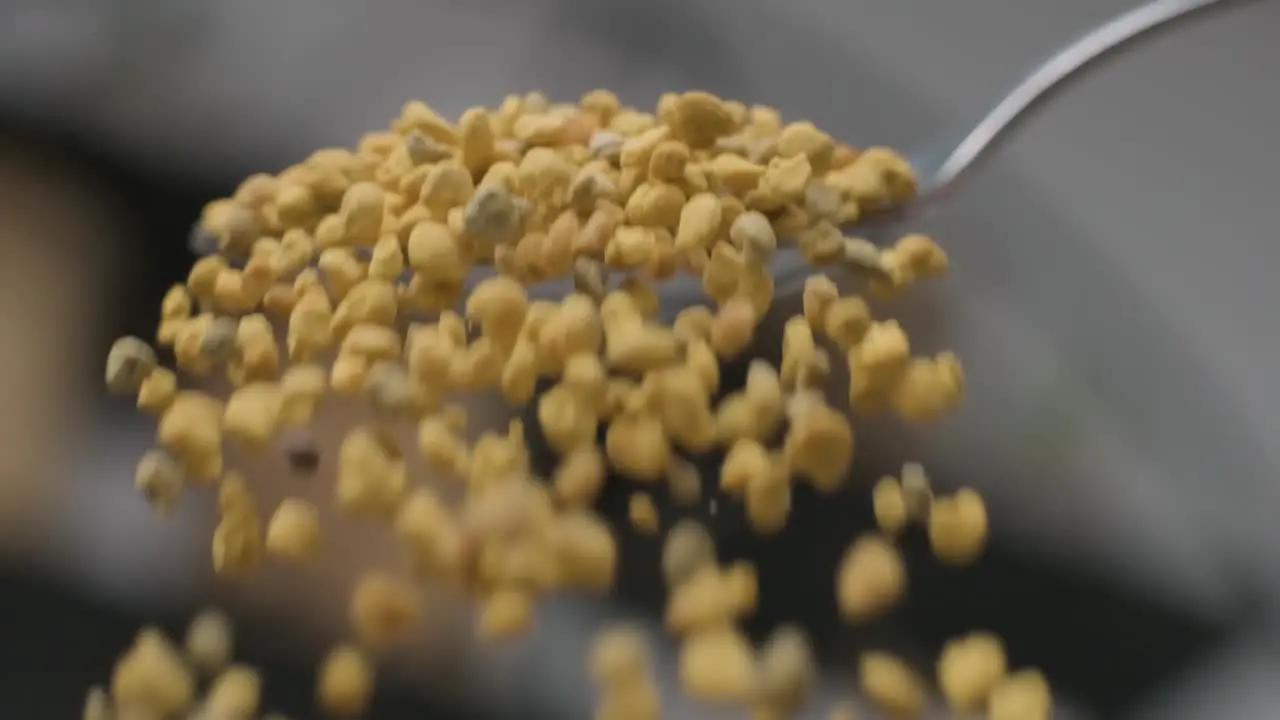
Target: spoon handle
[(1051, 76)]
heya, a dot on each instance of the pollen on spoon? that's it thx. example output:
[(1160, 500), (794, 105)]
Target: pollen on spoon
[(349, 277)]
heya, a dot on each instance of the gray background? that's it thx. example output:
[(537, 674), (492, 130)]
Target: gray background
[(1112, 292)]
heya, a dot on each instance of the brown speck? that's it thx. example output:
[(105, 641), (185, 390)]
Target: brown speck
[(300, 451)]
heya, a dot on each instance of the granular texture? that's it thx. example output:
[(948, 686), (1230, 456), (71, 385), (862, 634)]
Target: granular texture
[(411, 273)]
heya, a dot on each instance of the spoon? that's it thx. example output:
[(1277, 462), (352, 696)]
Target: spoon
[(939, 172), (939, 168), (936, 173)]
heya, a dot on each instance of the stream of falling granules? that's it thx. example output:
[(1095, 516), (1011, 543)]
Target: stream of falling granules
[(364, 256)]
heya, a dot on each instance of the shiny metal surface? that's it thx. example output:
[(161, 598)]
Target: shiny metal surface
[(939, 171), (940, 165)]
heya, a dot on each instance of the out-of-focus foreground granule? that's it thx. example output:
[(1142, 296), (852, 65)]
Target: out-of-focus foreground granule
[(399, 272)]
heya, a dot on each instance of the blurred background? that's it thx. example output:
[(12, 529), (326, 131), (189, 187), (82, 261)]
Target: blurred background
[(1112, 297)]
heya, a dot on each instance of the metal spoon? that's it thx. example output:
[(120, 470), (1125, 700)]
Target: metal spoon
[(939, 167), (938, 172)]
